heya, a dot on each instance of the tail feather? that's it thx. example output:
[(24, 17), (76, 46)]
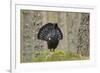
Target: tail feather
[(48, 29)]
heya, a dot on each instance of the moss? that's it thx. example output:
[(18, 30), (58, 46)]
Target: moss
[(58, 55)]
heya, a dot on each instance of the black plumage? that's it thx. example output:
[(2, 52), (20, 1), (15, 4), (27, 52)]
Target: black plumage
[(51, 33)]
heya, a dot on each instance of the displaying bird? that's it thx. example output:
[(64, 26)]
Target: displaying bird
[(50, 33)]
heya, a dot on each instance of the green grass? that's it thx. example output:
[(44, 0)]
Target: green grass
[(58, 55)]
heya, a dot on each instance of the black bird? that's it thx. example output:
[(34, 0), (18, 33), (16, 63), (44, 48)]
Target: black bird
[(51, 33)]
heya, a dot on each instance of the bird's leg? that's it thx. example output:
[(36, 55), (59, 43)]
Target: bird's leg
[(50, 50), (53, 50)]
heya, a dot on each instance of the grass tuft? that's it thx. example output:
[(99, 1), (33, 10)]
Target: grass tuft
[(58, 55)]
